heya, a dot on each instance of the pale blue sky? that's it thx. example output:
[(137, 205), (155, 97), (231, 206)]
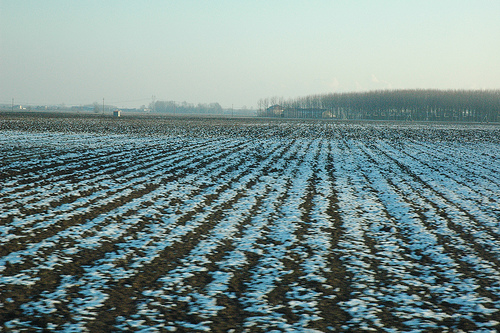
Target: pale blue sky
[(236, 52)]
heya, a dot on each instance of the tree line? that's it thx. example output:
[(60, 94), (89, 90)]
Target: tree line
[(418, 104), (185, 107)]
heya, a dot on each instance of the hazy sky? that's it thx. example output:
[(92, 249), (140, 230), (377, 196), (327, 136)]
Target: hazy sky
[(236, 52)]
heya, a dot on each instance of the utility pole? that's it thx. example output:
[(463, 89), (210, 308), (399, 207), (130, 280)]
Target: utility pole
[(12, 104), (103, 105)]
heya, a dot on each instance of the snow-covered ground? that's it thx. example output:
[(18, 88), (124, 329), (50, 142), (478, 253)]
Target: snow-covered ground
[(249, 227)]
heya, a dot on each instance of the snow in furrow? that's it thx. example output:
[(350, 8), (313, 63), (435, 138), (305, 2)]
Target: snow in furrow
[(364, 304), (474, 158), (72, 155), (455, 288), (100, 178), (463, 191), (204, 302), (302, 300), (453, 160), (98, 168), (367, 221), (94, 280), (155, 175), (271, 267), (413, 192), (153, 239), (223, 230), (100, 173), (57, 190), (318, 237), (174, 291), (484, 227)]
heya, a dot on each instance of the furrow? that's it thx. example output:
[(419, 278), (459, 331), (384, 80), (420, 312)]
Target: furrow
[(479, 226), (422, 245), (115, 191)]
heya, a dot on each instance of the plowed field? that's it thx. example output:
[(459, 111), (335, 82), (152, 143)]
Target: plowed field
[(148, 224)]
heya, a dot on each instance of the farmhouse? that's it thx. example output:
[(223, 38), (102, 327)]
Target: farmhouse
[(274, 111), (117, 113), (304, 113), (286, 112)]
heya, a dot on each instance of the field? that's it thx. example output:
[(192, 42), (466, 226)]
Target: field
[(246, 225)]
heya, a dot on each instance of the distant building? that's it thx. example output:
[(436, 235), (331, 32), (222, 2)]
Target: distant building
[(117, 113), (304, 113), (275, 111), (314, 113)]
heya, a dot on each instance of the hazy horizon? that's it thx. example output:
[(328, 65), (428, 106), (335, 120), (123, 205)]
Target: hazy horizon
[(235, 53)]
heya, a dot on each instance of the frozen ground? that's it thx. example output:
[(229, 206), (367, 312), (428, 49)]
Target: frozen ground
[(248, 226)]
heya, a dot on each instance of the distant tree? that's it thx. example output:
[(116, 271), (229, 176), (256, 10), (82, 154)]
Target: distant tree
[(417, 104), (185, 107), (215, 108), (96, 107)]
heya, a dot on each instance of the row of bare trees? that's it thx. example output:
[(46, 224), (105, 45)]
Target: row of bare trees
[(185, 108), (418, 104)]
